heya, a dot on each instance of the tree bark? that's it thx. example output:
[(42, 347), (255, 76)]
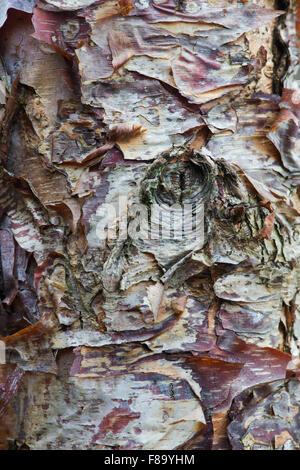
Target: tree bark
[(149, 227)]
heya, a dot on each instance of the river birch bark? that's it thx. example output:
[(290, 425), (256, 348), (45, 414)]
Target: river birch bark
[(149, 231)]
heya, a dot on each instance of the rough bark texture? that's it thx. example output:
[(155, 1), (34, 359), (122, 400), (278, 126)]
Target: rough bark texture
[(131, 342)]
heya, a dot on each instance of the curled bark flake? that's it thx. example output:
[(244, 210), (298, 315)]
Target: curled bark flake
[(266, 231), (266, 417)]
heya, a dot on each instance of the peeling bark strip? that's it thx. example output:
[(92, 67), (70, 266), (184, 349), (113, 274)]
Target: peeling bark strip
[(125, 125)]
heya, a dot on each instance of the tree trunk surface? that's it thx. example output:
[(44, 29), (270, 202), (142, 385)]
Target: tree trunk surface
[(150, 221)]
